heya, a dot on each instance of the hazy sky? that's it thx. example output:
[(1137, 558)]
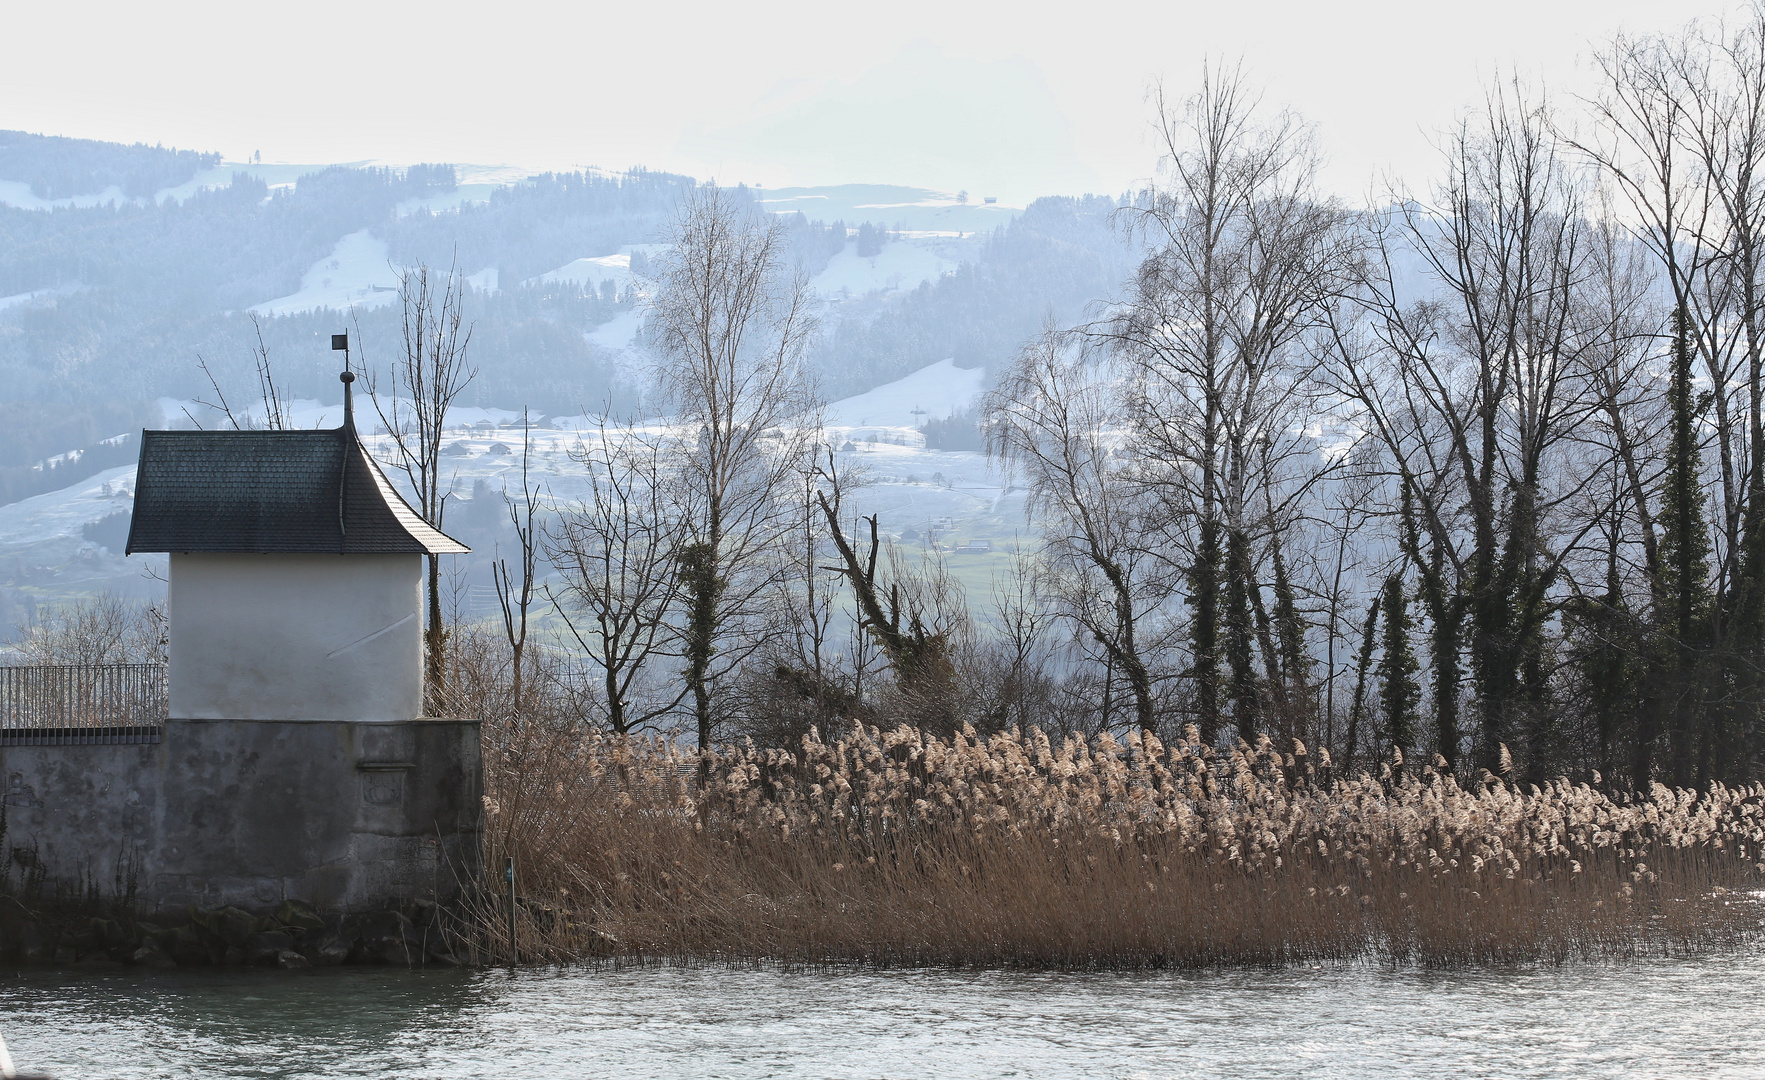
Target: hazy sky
[(1006, 100)]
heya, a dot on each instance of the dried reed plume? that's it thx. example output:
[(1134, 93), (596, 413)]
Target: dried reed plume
[(894, 848)]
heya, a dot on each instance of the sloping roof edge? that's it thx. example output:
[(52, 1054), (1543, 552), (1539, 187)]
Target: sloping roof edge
[(272, 492), (434, 541)]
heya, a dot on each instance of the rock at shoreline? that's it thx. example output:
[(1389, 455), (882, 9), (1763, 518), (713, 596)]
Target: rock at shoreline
[(151, 955), (267, 947)]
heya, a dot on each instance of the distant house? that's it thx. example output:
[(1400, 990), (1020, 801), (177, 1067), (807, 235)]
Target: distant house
[(974, 547)]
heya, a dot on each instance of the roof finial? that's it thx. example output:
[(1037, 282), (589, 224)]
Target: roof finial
[(340, 343)]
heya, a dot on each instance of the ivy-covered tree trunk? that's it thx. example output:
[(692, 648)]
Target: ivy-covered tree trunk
[(1492, 659), (1204, 591), (1239, 632), (1445, 610), (1607, 670), (704, 589), (1363, 664), (435, 651), (1296, 700), (1734, 753), (1398, 693), (1683, 600), (1530, 711)]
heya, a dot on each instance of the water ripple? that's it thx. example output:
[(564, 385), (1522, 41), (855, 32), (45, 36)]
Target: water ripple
[(1358, 1021)]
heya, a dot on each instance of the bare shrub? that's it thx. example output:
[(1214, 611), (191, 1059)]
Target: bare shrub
[(103, 629)]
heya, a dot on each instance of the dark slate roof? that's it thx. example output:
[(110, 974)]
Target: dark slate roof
[(255, 492)]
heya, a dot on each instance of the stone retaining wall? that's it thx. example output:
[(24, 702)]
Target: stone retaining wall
[(349, 817)]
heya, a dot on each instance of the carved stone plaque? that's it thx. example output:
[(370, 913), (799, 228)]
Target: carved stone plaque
[(383, 782)]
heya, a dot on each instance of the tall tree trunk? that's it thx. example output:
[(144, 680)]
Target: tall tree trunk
[(1363, 663), (1204, 591), (1295, 661), (1445, 610)]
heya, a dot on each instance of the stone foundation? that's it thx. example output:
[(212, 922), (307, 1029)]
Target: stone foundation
[(349, 817)]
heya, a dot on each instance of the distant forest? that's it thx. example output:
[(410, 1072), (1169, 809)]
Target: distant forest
[(1060, 255), (60, 168), (138, 292)]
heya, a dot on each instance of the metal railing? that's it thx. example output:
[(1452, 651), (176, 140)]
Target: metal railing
[(82, 704)]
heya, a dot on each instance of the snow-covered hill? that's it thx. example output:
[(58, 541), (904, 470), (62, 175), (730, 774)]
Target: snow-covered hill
[(357, 274), (931, 393)]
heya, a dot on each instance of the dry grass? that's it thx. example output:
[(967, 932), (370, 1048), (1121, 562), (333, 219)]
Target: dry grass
[(891, 848)]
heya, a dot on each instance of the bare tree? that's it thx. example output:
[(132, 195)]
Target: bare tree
[(617, 552), (1347, 516), (275, 402), (807, 603), (730, 319), (1023, 691), (1680, 132), (910, 615), (1473, 381), (1060, 420), (426, 378), (807, 680), (515, 599), (1243, 253)]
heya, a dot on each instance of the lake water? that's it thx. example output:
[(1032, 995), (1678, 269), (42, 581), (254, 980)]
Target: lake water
[(1697, 1018)]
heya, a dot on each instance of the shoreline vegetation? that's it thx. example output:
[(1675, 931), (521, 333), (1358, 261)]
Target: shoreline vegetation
[(1016, 850), (899, 849)]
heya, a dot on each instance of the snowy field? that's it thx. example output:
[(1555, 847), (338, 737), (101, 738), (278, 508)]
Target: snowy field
[(17, 193), (357, 274), (900, 267), (931, 393), (37, 296), (593, 271), (923, 497), (916, 209)]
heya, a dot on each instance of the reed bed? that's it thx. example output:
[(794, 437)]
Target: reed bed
[(896, 848)]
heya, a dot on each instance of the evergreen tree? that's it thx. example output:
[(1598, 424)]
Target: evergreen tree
[(1600, 628), (1683, 595), (1398, 693)]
